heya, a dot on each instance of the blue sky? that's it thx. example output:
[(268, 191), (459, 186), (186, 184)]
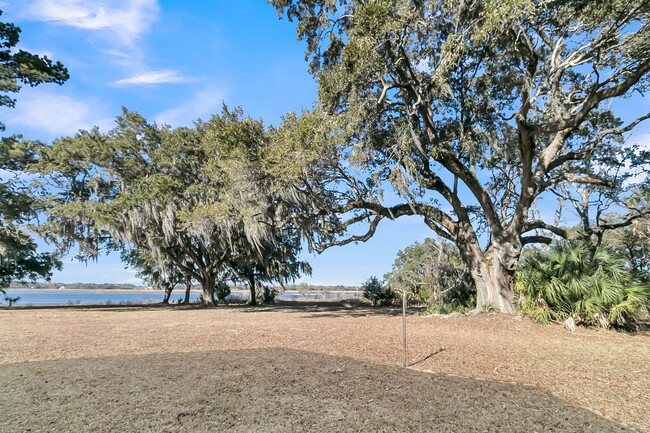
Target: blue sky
[(175, 61)]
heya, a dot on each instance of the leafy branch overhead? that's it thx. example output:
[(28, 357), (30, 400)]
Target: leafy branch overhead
[(18, 256), (19, 67)]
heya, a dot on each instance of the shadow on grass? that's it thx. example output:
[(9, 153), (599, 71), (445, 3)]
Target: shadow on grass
[(323, 308), (270, 390)]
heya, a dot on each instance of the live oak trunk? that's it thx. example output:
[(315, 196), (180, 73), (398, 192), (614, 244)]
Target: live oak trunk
[(188, 287), (253, 291), (168, 293), (207, 296), (493, 274), (494, 287)]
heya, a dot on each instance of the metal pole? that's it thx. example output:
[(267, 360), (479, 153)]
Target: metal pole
[(404, 326)]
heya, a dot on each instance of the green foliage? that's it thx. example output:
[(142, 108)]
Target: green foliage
[(268, 295), (158, 273), (632, 241), (204, 202), (591, 285), (279, 263), (149, 269), (488, 308), (222, 291), (18, 67), (435, 274), (468, 111), (19, 258), (379, 293)]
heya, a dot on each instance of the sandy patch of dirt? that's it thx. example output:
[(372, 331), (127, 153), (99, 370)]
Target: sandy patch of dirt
[(136, 356)]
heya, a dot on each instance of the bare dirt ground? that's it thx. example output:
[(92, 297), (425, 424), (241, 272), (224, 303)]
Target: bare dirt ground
[(312, 367)]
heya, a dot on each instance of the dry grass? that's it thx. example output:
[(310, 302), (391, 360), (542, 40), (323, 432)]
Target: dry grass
[(606, 372)]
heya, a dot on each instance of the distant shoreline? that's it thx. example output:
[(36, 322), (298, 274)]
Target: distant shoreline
[(58, 297), (182, 289), (130, 287)]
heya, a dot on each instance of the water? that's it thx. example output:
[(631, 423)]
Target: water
[(105, 297), (64, 297)]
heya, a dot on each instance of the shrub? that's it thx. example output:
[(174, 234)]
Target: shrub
[(377, 292), (268, 295), (222, 291), (434, 273), (583, 284)]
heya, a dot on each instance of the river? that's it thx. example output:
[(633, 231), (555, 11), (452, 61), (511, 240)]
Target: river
[(126, 297)]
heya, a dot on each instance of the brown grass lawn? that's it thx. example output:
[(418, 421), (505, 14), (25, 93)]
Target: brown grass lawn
[(312, 367)]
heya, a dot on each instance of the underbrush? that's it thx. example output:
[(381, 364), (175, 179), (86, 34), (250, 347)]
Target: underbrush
[(582, 285)]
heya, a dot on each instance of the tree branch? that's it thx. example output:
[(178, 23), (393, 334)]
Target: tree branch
[(595, 98), (526, 240), (356, 238), (591, 145), (541, 225)]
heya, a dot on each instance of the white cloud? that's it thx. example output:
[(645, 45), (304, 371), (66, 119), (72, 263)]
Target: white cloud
[(131, 59), (117, 53), (204, 103), (55, 115), (152, 77), (126, 19)]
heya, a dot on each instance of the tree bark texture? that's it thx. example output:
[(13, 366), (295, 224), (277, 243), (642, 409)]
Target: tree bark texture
[(188, 287), (494, 287), (252, 288), (493, 274), (168, 293), (208, 287)]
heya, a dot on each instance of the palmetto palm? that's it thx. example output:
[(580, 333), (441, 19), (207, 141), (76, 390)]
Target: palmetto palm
[(590, 285)]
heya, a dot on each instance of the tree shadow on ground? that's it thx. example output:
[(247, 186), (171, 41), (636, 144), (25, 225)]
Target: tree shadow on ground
[(270, 390), (327, 308)]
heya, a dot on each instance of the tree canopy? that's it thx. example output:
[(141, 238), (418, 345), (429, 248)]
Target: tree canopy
[(466, 113), (205, 201), (19, 258), (632, 241), (435, 274), (159, 272)]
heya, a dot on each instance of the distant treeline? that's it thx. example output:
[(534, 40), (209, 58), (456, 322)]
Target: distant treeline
[(314, 288), (111, 286), (74, 286)]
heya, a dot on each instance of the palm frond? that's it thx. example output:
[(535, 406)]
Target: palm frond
[(590, 284)]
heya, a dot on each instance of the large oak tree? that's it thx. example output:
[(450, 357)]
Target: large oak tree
[(471, 111), (204, 202)]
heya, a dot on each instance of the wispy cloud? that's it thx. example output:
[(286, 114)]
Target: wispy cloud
[(125, 19), (204, 103), (152, 77), (130, 60), (54, 115)]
